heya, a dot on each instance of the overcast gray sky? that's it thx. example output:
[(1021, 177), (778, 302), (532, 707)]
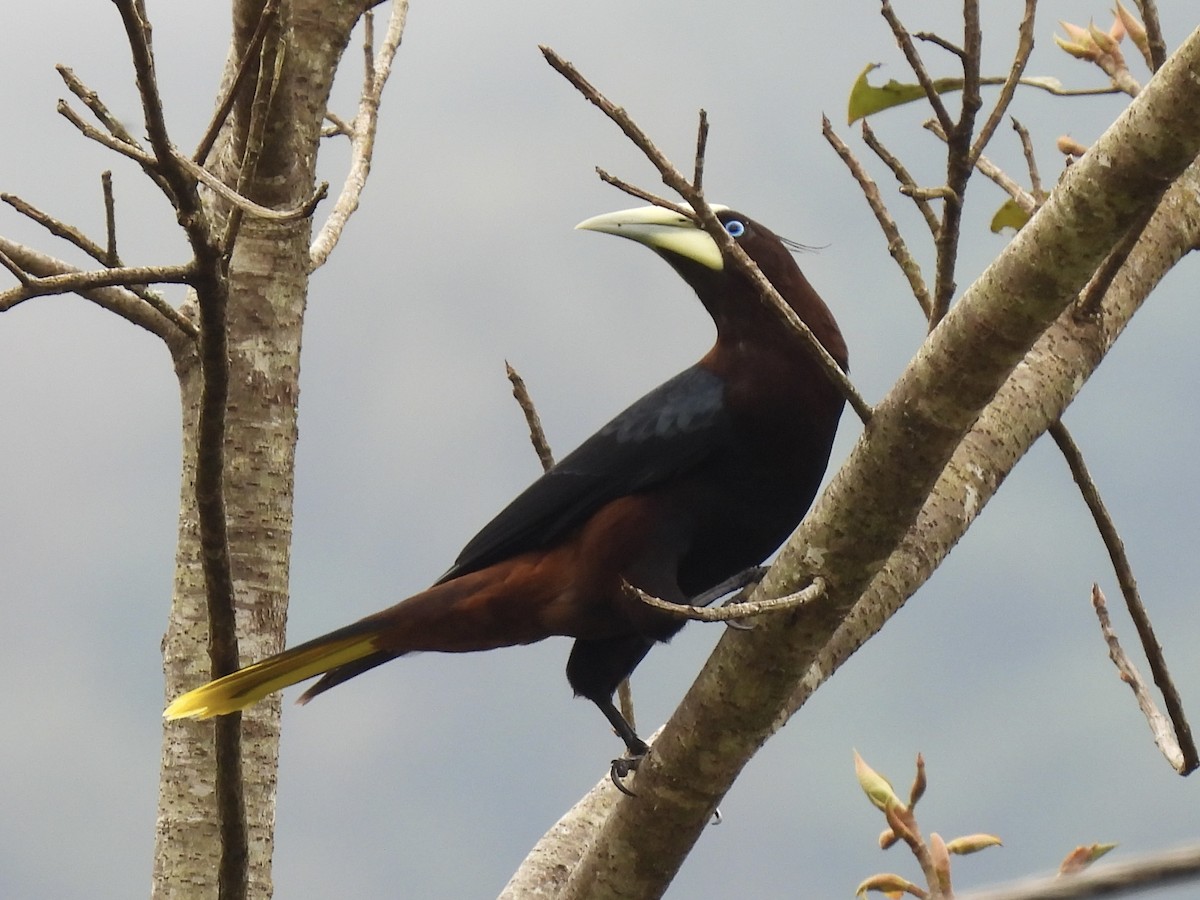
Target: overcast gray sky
[(432, 776)]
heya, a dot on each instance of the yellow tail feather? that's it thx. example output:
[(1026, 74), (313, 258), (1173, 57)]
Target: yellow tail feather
[(249, 685)]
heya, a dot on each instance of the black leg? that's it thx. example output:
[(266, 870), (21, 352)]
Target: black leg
[(594, 670)]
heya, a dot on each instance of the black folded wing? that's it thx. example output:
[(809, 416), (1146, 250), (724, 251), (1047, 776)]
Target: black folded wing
[(669, 431)]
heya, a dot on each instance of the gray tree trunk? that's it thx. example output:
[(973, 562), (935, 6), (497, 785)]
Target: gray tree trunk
[(268, 288)]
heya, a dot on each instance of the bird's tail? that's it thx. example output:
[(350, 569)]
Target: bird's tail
[(251, 684), (502, 605)]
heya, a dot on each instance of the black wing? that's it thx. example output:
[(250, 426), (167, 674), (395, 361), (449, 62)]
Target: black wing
[(668, 431)]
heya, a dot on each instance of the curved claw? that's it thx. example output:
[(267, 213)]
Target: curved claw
[(621, 768)]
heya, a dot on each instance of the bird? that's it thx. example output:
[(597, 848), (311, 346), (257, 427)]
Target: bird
[(688, 488)]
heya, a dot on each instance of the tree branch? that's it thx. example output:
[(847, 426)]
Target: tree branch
[(1180, 749), (1151, 870), (362, 137), (156, 315), (897, 247), (731, 612)]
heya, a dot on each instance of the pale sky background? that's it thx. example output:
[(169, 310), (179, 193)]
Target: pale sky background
[(432, 776)]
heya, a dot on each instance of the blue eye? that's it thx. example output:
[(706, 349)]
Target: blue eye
[(735, 228)]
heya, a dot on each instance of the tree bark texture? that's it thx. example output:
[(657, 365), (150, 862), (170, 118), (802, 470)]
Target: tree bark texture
[(268, 277)]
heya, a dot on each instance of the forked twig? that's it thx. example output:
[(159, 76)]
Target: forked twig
[(897, 246)]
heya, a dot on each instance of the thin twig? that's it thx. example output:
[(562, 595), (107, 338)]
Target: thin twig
[(895, 241), (1024, 49), (1027, 201), (270, 62), (903, 177), (58, 228), (229, 97), (642, 194), (1183, 756), (111, 257), (1160, 726), (92, 101), (909, 49), (141, 307), (1107, 880), (940, 192), (701, 149), (940, 41), (21, 275), (73, 282), (362, 136), (303, 211), (337, 125), (138, 155), (1035, 178), (536, 433), (1154, 33), (735, 611), (958, 167), (675, 180)]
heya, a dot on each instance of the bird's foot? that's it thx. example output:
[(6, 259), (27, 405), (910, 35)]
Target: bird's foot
[(623, 767)]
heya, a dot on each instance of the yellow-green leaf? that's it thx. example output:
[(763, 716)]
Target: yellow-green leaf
[(866, 99), (1009, 215)]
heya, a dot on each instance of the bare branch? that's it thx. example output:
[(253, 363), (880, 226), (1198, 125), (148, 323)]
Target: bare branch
[(229, 97), (897, 246), (1182, 753), (1151, 870), (941, 192), (536, 434), (701, 149), (362, 137), (111, 257), (904, 39), (1160, 725), (74, 282), (138, 155), (635, 191), (10, 264), (1024, 49), (223, 190), (903, 177), (1035, 179), (158, 317), (58, 228), (932, 38), (1154, 34), (93, 102), (1028, 202), (734, 611), (337, 125), (270, 62), (675, 180)]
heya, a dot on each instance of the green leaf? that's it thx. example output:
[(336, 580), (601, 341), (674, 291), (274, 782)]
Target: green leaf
[(866, 100)]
